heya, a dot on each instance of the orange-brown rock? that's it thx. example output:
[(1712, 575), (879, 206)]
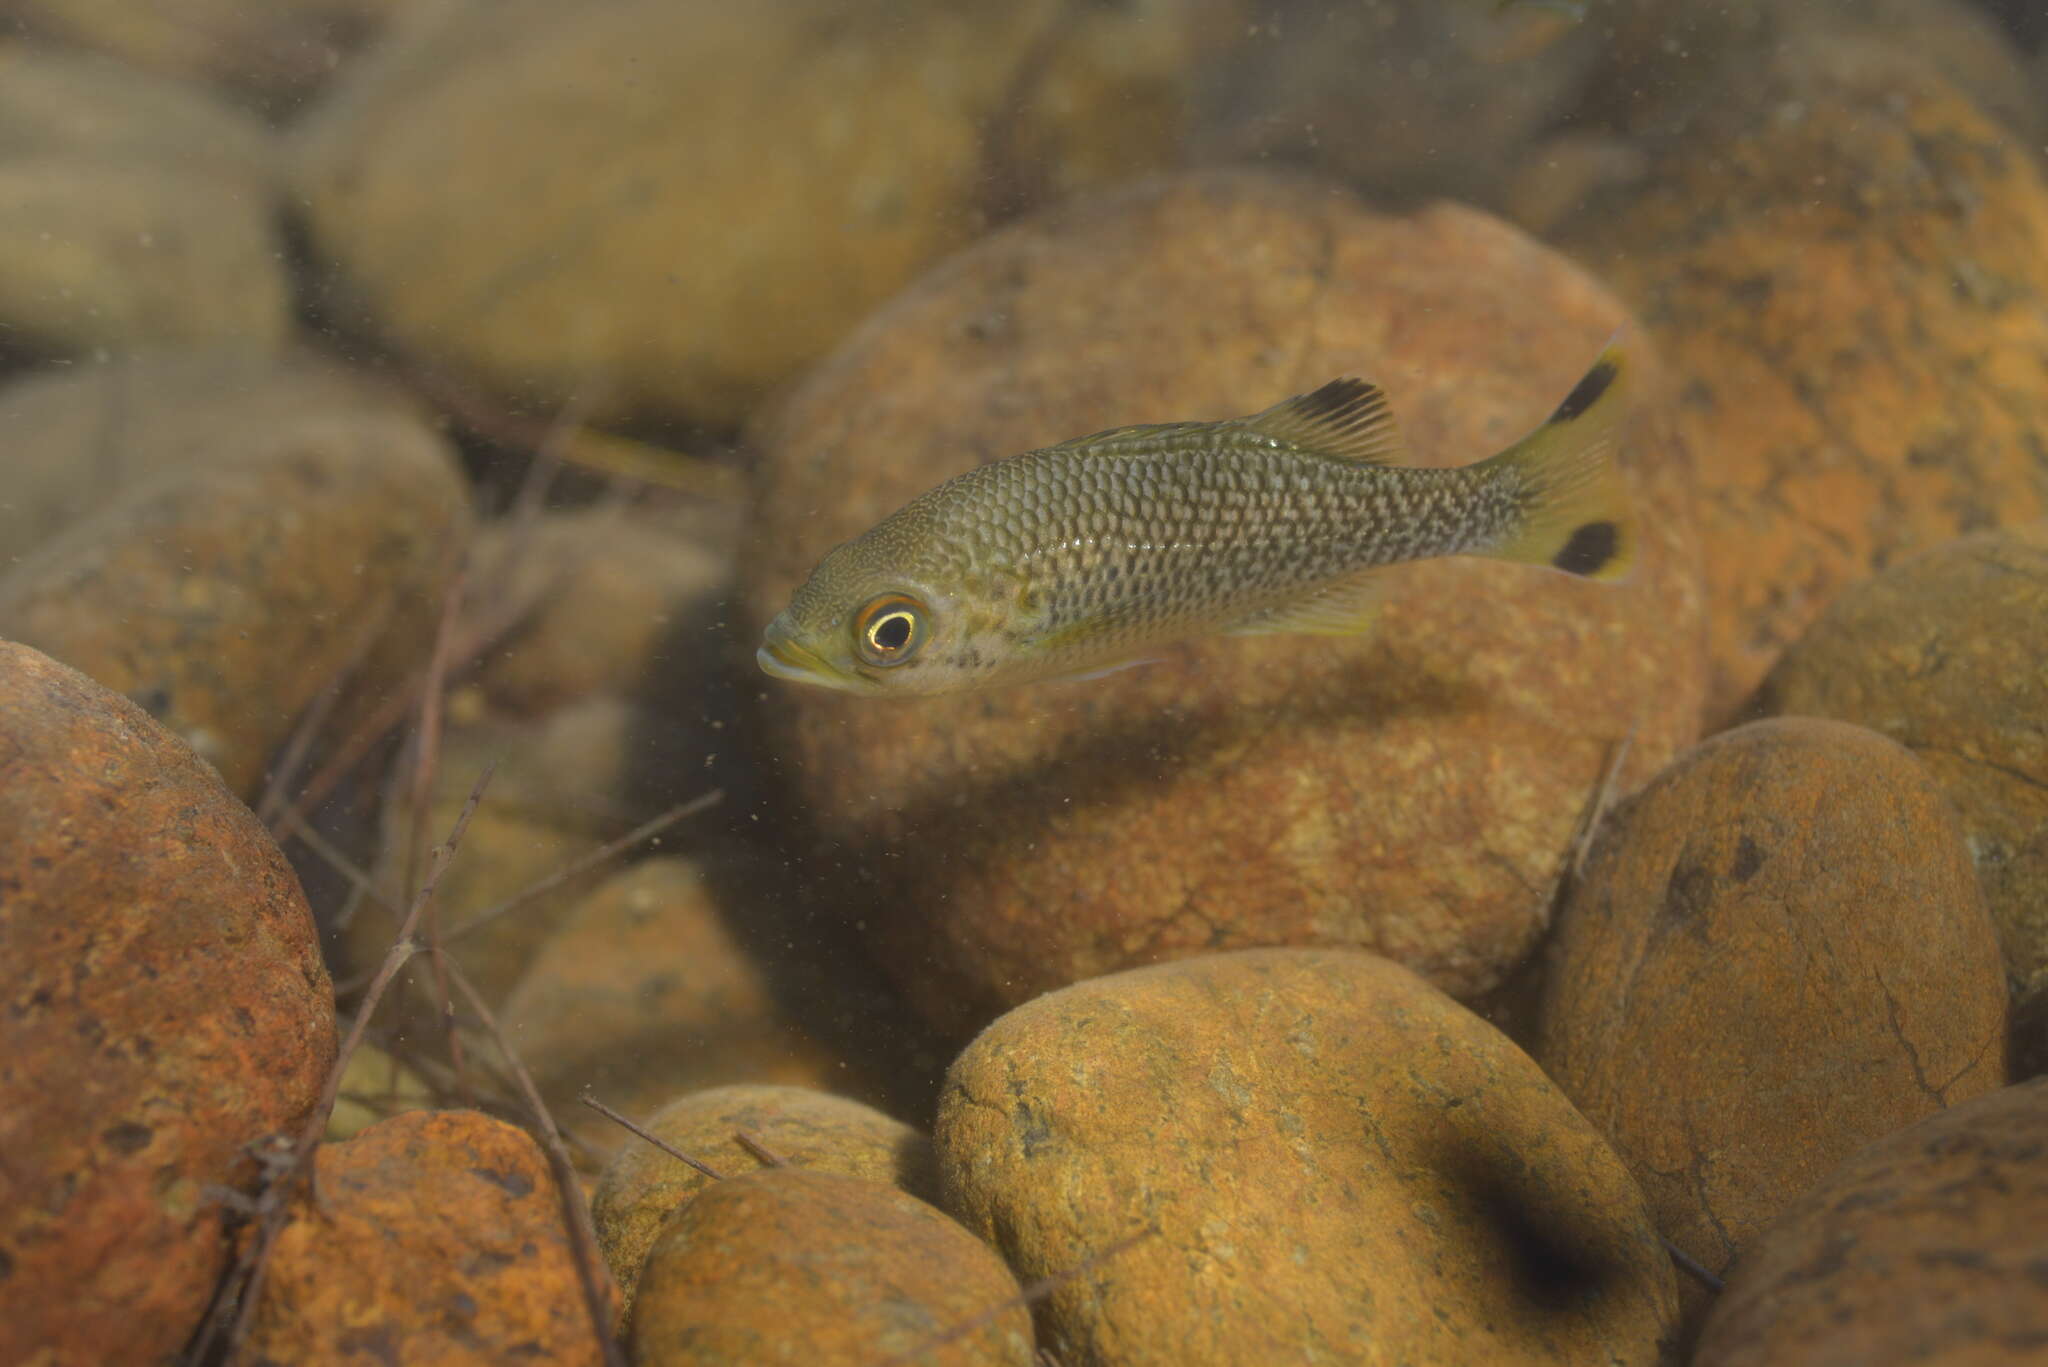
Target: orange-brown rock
[(642, 1186), (1334, 1162), (1923, 1247), (162, 1006), (1777, 953), (1846, 264), (1411, 791), (439, 1237), (511, 208), (227, 592), (1947, 653), (678, 974), (813, 1269)]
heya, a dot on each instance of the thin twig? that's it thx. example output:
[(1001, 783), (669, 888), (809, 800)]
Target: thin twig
[(358, 879), (1029, 1296), (275, 1200), (426, 765), (760, 1151), (1693, 1267), (314, 718), (1596, 812), (582, 1234), (673, 1152), (470, 646), (645, 830)]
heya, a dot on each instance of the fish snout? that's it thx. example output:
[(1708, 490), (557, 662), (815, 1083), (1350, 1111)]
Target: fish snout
[(783, 656)]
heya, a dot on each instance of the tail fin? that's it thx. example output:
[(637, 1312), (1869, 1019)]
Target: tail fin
[(1575, 509)]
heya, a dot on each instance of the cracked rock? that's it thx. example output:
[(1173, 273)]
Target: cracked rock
[(642, 1186), (1410, 791), (1947, 653), (1777, 953), (796, 1268), (162, 1005), (1296, 1156), (1926, 1246), (439, 1237), (1847, 261)]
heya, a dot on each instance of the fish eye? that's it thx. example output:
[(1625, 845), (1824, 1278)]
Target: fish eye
[(890, 629)]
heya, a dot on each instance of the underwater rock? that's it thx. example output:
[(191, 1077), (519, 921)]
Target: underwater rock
[(133, 210), (375, 1086), (86, 108), (642, 1186), (678, 974), (814, 1269), (228, 591), (76, 433), (1666, 61), (1777, 953), (1925, 1246), (106, 256), (1846, 264), (1318, 1121), (1947, 653), (1411, 791), (1402, 99), (270, 55), (682, 241), (165, 1007), (621, 605), (439, 1237), (2030, 1029)]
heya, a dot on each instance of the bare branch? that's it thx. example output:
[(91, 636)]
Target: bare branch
[(673, 1152)]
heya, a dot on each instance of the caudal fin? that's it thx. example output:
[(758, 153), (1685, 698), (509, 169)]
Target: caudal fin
[(1575, 507)]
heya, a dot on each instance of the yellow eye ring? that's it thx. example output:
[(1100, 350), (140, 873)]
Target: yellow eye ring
[(891, 629)]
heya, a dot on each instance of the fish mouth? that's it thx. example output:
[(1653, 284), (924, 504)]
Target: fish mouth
[(784, 657)]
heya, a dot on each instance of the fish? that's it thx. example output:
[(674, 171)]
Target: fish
[(1079, 559)]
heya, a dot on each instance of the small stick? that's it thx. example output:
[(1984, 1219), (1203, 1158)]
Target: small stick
[(426, 763), (645, 830), (314, 718), (582, 1233), (360, 882), (759, 1150), (1602, 795), (1693, 1268), (673, 1152), (1030, 1295)]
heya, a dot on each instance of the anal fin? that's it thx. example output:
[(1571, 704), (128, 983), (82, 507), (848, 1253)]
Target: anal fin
[(1349, 607)]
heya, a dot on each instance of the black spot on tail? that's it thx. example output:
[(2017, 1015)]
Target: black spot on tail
[(1587, 393), (1590, 550)]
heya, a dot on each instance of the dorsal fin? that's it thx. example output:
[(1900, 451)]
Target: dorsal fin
[(1346, 419)]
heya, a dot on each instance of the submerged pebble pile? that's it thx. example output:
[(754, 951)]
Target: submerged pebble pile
[(426, 938)]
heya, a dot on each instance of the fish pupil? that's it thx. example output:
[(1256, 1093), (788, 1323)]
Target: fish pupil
[(892, 632)]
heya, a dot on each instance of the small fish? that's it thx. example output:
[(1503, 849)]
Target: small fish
[(1089, 556)]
